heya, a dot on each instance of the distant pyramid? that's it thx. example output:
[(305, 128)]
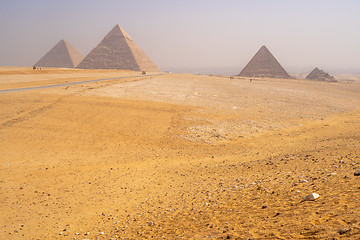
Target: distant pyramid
[(320, 75), (118, 51), (62, 55), (264, 64)]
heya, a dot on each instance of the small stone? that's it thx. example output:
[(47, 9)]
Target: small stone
[(264, 206), (344, 230), (303, 181), (60, 233), (357, 173), (311, 197)]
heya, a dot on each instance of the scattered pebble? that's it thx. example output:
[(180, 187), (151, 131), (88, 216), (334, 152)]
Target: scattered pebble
[(303, 181), (311, 197), (344, 230), (357, 173)]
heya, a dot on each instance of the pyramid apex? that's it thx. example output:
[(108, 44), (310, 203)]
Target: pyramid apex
[(64, 41), (264, 48), (119, 31)]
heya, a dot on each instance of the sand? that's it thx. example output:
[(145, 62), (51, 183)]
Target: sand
[(177, 156)]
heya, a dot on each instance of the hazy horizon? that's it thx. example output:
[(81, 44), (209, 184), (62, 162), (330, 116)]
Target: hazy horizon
[(196, 35)]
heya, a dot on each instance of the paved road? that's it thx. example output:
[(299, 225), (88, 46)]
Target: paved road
[(71, 83)]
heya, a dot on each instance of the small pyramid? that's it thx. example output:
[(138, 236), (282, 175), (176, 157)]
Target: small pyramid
[(62, 55), (264, 64), (118, 51), (320, 75)]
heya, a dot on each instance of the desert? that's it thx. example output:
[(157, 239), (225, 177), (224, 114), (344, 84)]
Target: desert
[(177, 156)]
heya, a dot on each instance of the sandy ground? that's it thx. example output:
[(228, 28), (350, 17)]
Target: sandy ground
[(177, 156)]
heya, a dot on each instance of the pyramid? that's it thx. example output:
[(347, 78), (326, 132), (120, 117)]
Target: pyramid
[(264, 64), (118, 51), (62, 55), (320, 75)]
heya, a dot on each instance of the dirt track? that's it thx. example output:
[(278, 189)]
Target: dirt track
[(178, 156)]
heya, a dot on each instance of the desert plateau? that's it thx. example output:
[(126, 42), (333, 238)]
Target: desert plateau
[(177, 156)]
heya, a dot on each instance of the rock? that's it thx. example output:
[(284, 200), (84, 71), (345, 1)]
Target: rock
[(311, 197), (357, 173), (303, 181), (344, 230), (277, 214)]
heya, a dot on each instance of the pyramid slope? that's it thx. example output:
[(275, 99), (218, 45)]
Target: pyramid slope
[(62, 55), (320, 75), (118, 51), (264, 64)]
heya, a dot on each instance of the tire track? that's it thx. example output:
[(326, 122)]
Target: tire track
[(31, 114), (72, 83)]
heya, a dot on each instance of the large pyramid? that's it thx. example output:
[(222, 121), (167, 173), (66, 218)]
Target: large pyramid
[(264, 64), (118, 51), (62, 55), (320, 75)]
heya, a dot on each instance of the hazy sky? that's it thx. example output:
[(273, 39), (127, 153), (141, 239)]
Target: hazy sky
[(301, 34)]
